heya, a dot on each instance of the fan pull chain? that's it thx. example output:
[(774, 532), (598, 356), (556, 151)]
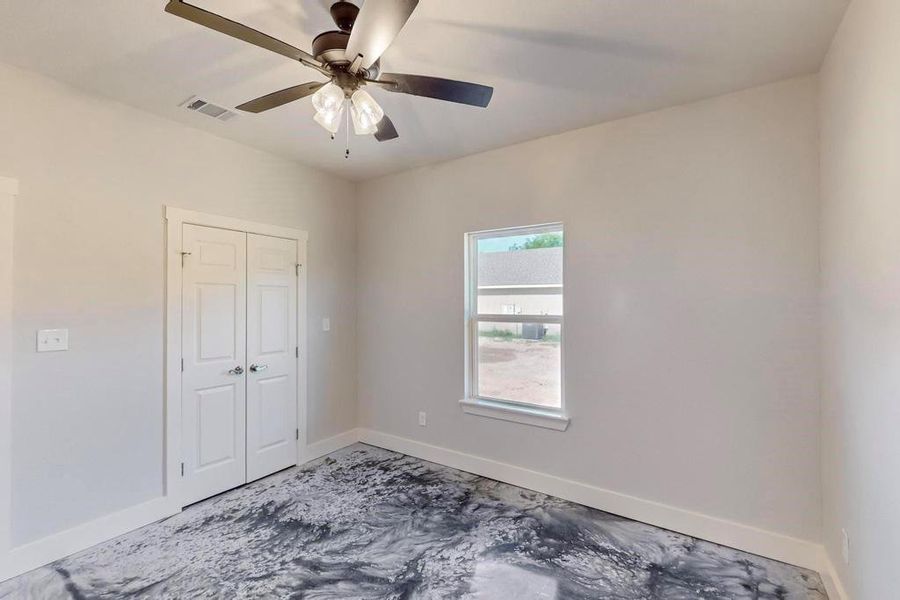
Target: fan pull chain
[(347, 153)]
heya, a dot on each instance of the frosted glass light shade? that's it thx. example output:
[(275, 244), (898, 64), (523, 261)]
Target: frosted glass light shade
[(330, 119), (365, 112), (328, 98)]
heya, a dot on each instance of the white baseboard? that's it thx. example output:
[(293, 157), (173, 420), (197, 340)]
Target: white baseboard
[(727, 533), (24, 558), (833, 584), (329, 445), (736, 535), (32, 555)]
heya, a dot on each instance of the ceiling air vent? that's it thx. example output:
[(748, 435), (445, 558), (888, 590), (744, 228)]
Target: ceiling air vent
[(208, 108)]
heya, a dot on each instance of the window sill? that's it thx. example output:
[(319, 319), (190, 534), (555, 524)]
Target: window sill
[(549, 419)]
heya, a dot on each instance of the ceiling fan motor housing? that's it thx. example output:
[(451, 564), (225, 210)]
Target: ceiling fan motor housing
[(329, 47), (344, 15)]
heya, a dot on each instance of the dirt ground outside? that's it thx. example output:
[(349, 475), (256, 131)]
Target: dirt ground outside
[(519, 370)]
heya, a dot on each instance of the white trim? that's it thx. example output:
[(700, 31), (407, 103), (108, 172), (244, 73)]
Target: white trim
[(519, 290), (8, 190), (517, 413), (172, 375), (516, 230), (175, 219), (492, 407), (46, 550), (831, 579), (727, 533), (552, 287), (329, 445), (303, 345), (181, 215)]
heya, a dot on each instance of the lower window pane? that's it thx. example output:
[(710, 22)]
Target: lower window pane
[(520, 362)]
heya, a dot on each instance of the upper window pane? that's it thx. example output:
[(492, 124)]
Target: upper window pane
[(520, 274)]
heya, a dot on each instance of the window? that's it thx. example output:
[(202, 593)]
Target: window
[(514, 325)]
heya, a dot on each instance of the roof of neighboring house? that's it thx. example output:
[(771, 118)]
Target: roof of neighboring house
[(540, 266)]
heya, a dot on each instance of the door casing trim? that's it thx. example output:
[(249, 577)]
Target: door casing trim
[(175, 219), (9, 190)]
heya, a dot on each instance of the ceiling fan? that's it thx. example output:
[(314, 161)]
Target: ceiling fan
[(349, 58)]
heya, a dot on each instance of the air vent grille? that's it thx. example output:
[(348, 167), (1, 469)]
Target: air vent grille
[(207, 108)]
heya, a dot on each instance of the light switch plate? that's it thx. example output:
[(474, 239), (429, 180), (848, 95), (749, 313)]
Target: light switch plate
[(52, 340), (326, 324)]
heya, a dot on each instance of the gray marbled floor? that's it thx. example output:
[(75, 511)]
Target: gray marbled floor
[(368, 523)]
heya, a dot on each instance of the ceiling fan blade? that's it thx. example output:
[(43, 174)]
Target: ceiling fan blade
[(386, 130), (281, 97), (377, 25), (197, 15), (461, 92)]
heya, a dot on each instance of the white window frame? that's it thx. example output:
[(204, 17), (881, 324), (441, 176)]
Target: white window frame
[(497, 408)]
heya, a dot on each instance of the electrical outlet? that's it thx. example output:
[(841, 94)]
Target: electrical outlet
[(52, 340), (845, 546), (423, 419)]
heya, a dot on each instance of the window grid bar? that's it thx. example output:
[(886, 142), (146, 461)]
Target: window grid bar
[(551, 319), (555, 290)]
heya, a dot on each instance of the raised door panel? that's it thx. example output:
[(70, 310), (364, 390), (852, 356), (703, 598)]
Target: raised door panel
[(217, 409), (217, 339), (274, 319), (273, 400)]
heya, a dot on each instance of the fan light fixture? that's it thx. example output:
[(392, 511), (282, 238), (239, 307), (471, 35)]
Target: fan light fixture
[(349, 58), (329, 104)]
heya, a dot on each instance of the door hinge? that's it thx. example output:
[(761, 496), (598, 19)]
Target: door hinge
[(299, 266), (182, 365), (297, 433), (296, 351), (182, 469), (183, 254)]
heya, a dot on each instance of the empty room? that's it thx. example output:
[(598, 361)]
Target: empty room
[(434, 300)]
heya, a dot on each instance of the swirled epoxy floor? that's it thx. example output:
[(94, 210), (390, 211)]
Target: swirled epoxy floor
[(368, 523)]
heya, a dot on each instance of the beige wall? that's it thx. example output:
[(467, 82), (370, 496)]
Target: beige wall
[(692, 267), (860, 91), (89, 233), (691, 282)]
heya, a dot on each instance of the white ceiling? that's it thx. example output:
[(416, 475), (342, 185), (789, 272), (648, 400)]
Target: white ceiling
[(555, 65)]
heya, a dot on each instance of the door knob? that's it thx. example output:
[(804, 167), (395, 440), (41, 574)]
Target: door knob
[(258, 368), (238, 370)]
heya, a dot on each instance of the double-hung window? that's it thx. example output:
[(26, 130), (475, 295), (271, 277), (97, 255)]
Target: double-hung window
[(514, 325)]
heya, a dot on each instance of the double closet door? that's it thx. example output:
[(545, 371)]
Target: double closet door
[(239, 349)]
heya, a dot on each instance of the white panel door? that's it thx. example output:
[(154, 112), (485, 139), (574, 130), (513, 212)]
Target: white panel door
[(271, 347), (213, 395)]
